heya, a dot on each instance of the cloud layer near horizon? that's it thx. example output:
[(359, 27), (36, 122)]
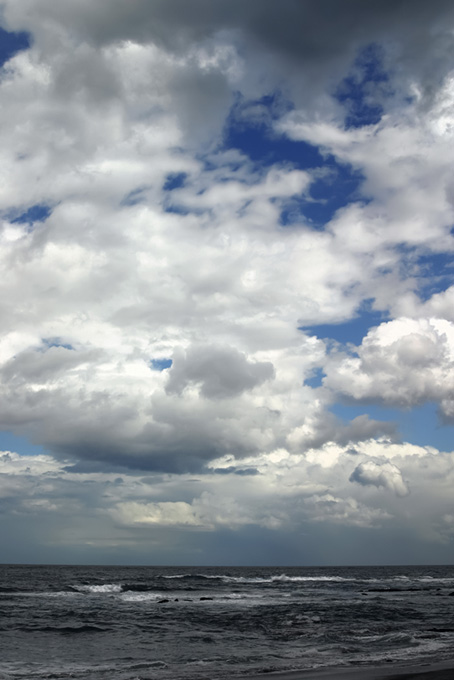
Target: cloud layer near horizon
[(160, 283)]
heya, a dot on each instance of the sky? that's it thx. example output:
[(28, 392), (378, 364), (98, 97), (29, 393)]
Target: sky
[(227, 291)]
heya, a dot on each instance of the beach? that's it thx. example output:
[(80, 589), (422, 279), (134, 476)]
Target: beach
[(440, 671)]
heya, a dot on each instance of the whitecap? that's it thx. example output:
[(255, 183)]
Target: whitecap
[(104, 588)]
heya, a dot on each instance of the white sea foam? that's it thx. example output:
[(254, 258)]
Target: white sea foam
[(141, 597), (43, 593), (104, 588), (260, 579), (426, 648), (284, 578), (170, 576)]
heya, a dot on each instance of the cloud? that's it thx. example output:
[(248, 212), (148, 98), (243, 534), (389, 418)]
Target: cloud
[(287, 32), (386, 475), (163, 514), (325, 427), (289, 494), (133, 237), (439, 305), (31, 366), (345, 511), (404, 363), (221, 372)]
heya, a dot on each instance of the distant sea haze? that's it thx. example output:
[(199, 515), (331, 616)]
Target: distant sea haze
[(176, 623)]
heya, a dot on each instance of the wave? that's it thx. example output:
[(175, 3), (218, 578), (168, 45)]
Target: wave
[(145, 588), (28, 592), (284, 578), (281, 578), (210, 577), (132, 596), (423, 579), (104, 588)]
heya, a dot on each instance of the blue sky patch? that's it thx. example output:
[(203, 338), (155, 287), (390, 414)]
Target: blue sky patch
[(436, 272), (175, 208), (316, 379), (232, 470), (335, 187), (262, 146), (363, 91), (420, 425), (175, 180), (12, 43), (258, 141), (338, 187), (20, 445), (37, 213), (56, 342), (351, 331), (160, 364), (432, 272)]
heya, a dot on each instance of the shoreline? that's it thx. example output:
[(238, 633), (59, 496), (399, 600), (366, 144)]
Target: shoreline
[(443, 670)]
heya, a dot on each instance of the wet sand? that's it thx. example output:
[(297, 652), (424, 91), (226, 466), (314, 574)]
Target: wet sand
[(440, 671)]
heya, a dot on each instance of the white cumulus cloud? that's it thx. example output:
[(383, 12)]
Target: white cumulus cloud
[(386, 475)]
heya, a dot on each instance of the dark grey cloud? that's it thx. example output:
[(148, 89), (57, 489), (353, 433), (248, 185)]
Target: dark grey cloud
[(221, 372), (321, 35), (361, 428), (49, 363), (232, 470), (304, 29), (102, 431)]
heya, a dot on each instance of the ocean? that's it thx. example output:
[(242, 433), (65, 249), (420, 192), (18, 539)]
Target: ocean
[(143, 623)]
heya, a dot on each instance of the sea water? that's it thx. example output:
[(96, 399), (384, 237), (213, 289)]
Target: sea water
[(143, 623)]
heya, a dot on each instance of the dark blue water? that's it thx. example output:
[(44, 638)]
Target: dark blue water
[(125, 623)]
